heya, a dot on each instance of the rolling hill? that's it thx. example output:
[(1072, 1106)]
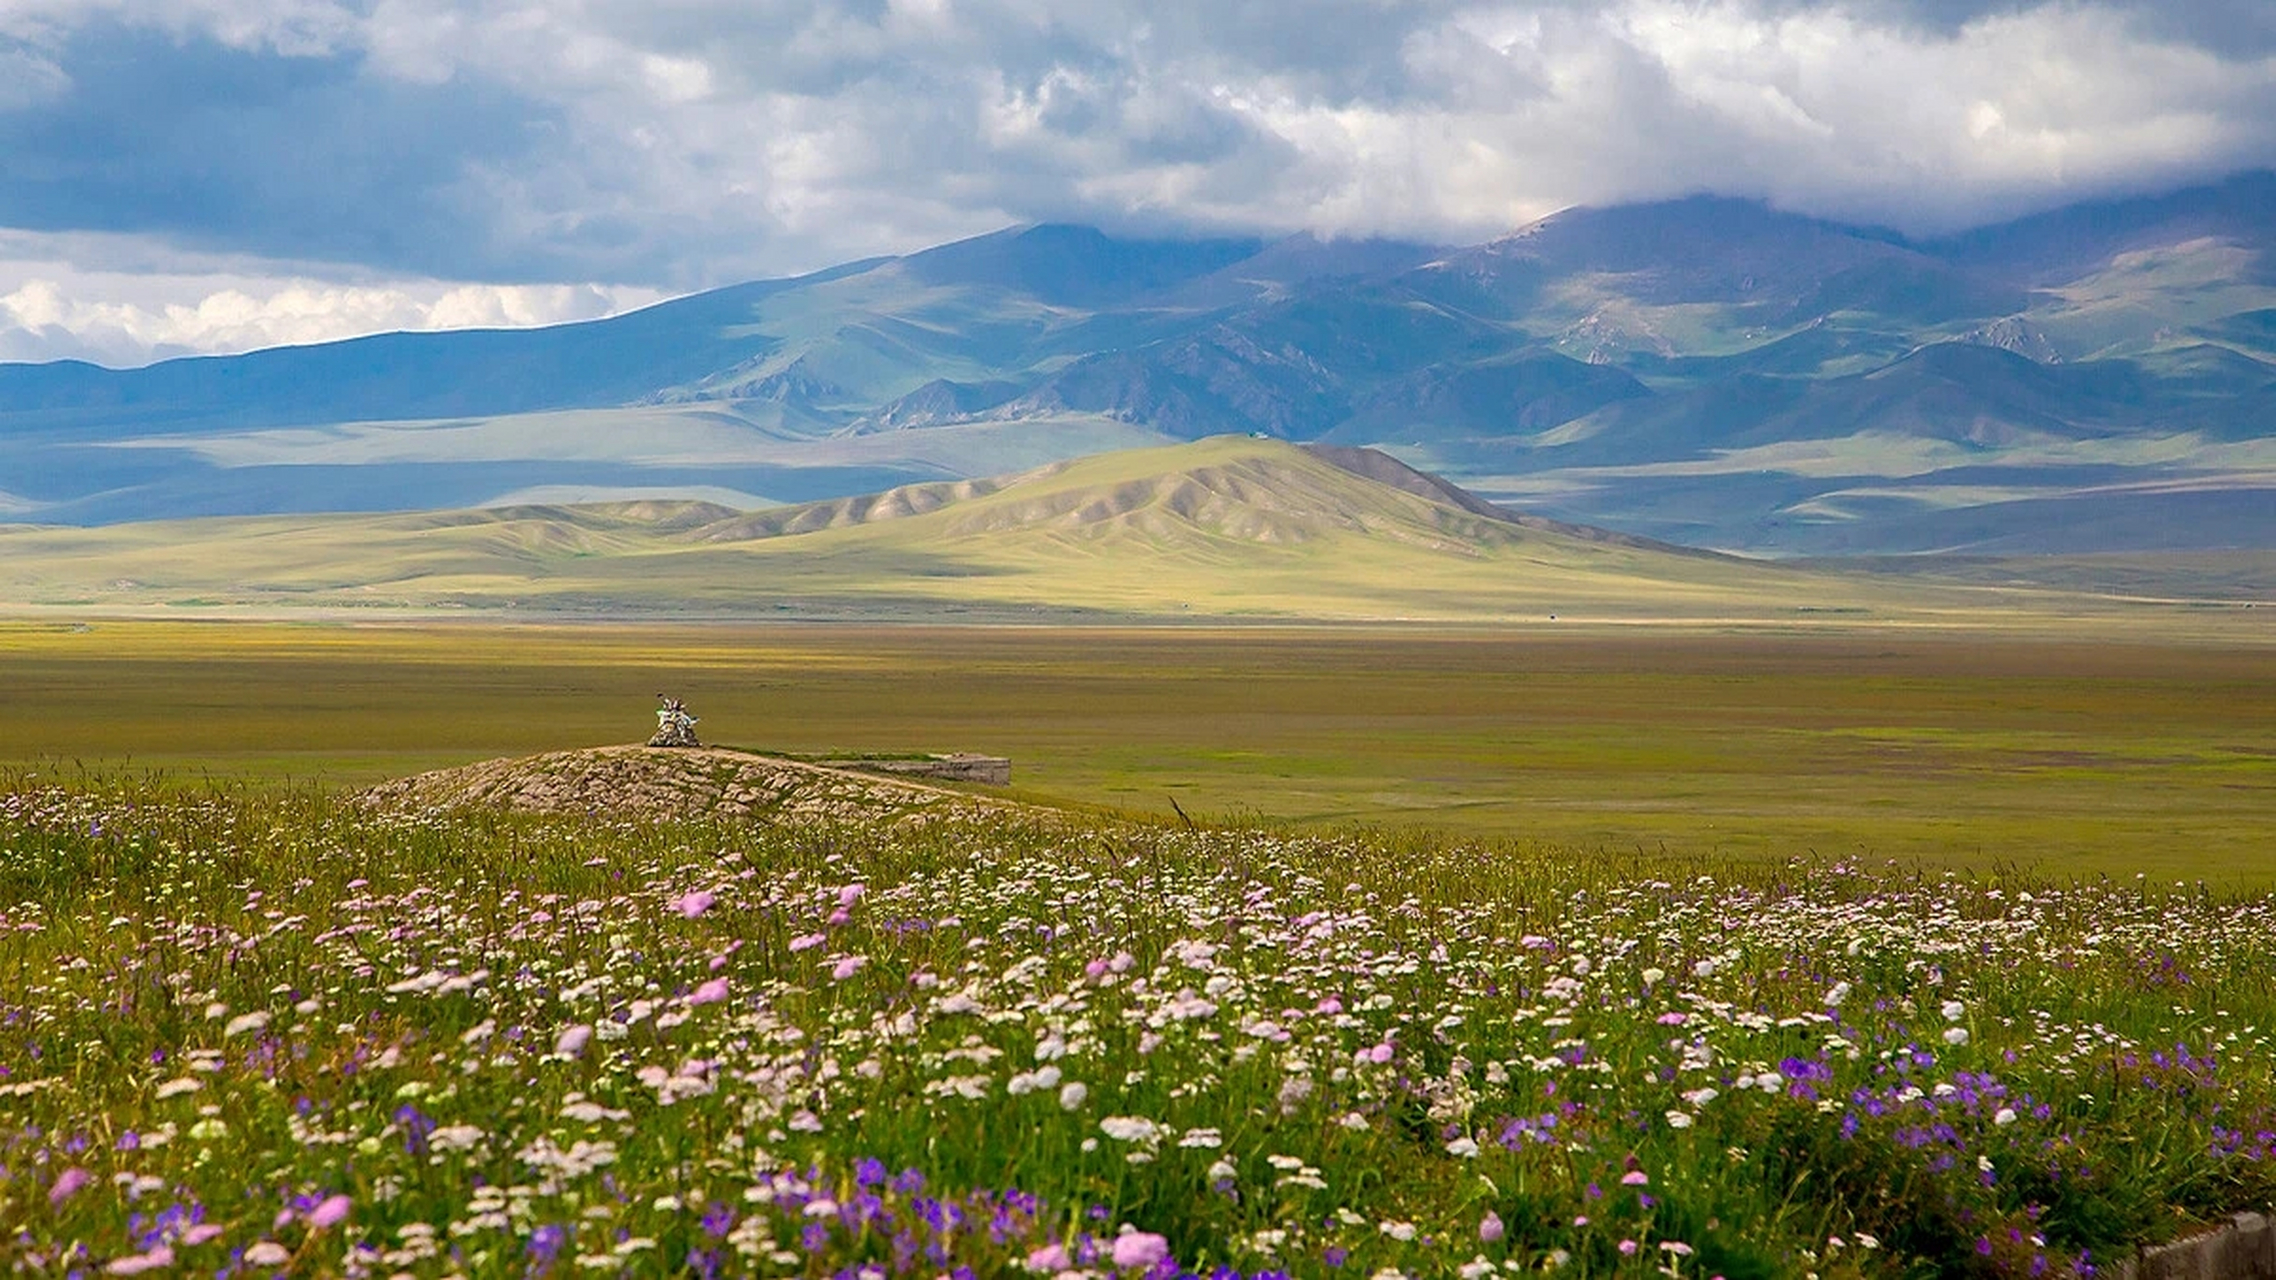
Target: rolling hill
[(1222, 528), (1707, 371)]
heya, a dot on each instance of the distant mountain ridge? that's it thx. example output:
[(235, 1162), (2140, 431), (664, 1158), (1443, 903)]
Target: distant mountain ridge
[(1226, 527), (1705, 371)]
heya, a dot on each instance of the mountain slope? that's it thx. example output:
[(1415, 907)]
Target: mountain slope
[(1225, 527), (1707, 369), (2061, 245)]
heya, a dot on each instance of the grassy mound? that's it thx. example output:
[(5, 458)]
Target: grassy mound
[(259, 1033), (662, 783)]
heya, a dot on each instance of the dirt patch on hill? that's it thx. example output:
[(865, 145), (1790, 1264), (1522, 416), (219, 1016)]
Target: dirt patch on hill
[(663, 782)]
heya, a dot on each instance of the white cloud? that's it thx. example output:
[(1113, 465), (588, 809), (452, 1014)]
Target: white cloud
[(51, 309), (295, 28), (28, 77), (694, 142), (855, 134)]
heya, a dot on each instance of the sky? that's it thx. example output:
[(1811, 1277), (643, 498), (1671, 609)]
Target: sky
[(193, 176)]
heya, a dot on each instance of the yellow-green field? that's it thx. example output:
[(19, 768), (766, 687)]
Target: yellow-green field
[(1226, 529), (2070, 753)]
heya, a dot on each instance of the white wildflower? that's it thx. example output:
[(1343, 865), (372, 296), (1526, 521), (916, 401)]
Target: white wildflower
[(1130, 1129), (454, 1137), (245, 1022)]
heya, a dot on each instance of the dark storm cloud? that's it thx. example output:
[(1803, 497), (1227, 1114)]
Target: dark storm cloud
[(305, 157), (2236, 27)]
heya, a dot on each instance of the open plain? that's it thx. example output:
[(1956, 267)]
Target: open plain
[(2074, 751)]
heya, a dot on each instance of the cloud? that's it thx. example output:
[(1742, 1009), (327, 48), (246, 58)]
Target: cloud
[(28, 78), (287, 150), (53, 309), (680, 143)]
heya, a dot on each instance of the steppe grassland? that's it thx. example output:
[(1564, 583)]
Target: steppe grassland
[(259, 1033), (1228, 529), (2096, 751)]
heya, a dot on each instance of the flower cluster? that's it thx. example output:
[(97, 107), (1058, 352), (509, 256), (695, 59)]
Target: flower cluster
[(254, 1037)]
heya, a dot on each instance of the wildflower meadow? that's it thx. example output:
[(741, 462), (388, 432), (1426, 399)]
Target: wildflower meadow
[(253, 1033)]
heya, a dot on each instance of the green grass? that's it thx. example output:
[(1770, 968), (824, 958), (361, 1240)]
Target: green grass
[(2108, 751), (253, 1031)]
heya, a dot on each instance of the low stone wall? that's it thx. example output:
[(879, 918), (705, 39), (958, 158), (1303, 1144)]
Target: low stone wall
[(2243, 1248), (959, 767)]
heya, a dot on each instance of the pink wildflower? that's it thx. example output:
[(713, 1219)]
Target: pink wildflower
[(848, 967), (1490, 1227), (330, 1213), (1635, 1178), (1628, 1248), (711, 992), (137, 1263), (67, 1184), (1051, 1257), (201, 1233), (573, 1040), (694, 904), (808, 941), (1380, 1053), (1140, 1249)]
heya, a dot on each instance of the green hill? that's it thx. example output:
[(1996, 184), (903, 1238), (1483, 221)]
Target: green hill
[(1227, 527)]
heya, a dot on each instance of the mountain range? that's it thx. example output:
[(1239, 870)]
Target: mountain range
[(1707, 371)]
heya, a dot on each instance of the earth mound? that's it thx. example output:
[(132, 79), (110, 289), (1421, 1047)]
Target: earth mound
[(667, 782)]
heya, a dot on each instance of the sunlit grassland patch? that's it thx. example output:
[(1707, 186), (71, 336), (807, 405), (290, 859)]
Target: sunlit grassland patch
[(2103, 752), (252, 1031), (1228, 528)]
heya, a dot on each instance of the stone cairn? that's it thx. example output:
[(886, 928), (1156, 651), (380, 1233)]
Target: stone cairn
[(674, 726)]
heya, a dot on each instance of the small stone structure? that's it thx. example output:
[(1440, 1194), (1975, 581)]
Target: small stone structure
[(2243, 1248), (961, 766), (674, 726)]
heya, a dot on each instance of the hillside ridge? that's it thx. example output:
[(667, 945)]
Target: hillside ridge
[(1226, 527)]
